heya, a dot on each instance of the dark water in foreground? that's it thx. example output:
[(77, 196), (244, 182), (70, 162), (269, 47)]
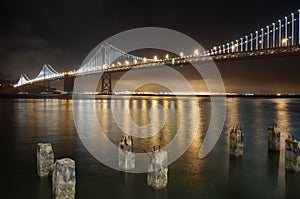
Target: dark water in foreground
[(259, 174)]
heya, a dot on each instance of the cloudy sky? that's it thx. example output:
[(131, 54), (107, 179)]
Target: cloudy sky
[(61, 33)]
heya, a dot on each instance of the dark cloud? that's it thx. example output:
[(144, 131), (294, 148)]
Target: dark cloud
[(62, 33), (23, 54)]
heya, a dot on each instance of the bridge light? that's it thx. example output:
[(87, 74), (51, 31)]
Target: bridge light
[(144, 59), (155, 58), (126, 62), (196, 52), (299, 26), (119, 64), (181, 54), (285, 41), (167, 56), (135, 61)]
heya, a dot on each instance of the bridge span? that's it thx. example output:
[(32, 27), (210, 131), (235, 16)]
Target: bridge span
[(281, 38)]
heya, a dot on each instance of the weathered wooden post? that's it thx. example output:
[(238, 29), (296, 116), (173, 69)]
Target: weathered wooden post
[(292, 154), (126, 159), (64, 179), (273, 138), (45, 159), (157, 176), (236, 141), (126, 155)]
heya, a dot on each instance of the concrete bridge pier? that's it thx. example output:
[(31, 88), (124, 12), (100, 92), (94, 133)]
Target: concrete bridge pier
[(68, 83), (47, 85), (23, 89)]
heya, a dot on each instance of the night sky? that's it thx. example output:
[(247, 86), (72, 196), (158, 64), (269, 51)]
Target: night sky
[(62, 33)]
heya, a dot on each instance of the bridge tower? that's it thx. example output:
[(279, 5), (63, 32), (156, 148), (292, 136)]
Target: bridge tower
[(68, 83), (106, 83), (106, 87), (107, 59), (46, 72)]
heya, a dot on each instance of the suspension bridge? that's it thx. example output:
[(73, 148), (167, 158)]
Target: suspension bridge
[(280, 38)]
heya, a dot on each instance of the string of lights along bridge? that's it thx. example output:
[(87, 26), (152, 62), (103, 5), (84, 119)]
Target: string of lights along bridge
[(279, 38)]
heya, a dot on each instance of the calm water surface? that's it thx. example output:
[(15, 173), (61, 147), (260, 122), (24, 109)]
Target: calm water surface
[(260, 174)]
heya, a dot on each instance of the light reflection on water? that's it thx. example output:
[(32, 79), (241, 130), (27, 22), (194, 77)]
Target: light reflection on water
[(257, 174), (283, 121)]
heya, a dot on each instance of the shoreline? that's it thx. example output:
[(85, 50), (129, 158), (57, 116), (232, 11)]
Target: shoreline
[(99, 96)]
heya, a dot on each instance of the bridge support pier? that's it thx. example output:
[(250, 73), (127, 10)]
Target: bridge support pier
[(46, 86), (68, 83), (23, 89), (106, 83)]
